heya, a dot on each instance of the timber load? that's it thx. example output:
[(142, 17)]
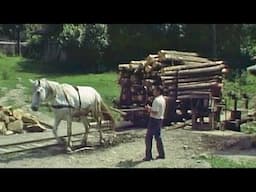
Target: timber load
[(181, 74)]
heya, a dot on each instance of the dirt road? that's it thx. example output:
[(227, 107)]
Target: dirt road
[(179, 154), (182, 147)]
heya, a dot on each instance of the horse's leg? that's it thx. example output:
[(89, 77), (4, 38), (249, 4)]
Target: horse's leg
[(86, 126), (100, 130), (57, 121), (98, 118), (69, 133)]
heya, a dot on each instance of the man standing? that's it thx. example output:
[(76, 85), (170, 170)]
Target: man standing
[(155, 124)]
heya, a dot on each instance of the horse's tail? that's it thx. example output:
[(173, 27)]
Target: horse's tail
[(107, 113)]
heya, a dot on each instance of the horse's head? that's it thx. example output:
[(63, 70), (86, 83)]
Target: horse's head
[(39, 93)]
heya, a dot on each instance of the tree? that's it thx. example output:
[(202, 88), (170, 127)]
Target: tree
[(85, 44), (214, 43), (136, 41), (248, 39)]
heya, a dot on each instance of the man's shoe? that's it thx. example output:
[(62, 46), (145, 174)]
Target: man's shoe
[(160, 157), (147, 159)]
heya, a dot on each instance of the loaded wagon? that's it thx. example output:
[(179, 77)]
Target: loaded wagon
[(192, 87)]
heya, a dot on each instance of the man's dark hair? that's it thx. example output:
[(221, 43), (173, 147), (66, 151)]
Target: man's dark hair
[(160, 89)]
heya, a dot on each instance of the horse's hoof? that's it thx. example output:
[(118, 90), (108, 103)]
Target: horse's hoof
[(102, 141), (69, 150)]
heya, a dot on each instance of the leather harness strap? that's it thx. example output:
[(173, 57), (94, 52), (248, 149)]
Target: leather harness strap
[(76, 88), (68, 106)]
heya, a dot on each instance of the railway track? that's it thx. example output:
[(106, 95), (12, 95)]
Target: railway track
[(34, 144), (22, 146), (30, 145)]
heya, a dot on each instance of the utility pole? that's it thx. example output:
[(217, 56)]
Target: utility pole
[(18, 40)]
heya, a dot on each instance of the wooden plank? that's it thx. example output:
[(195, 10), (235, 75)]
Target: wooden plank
[(133, 109), (203, 92), (118, 111), (192, 96)]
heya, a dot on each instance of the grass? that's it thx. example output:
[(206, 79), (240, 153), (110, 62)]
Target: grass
[(249, 127), (14, 68), (245, 84), (222, 162), (9, 67)]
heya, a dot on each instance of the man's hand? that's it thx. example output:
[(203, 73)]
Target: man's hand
[(148, 108)]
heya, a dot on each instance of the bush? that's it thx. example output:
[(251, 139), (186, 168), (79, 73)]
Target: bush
[(2, 55), (5, 75), (35, 48)]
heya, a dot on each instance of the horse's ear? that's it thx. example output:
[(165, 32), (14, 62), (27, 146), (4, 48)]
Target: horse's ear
[(31, 81)]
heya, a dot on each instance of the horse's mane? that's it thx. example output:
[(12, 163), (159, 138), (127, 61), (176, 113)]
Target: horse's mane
[(53, 86), (57, 89)]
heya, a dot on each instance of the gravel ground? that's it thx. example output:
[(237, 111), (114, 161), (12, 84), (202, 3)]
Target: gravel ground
[(179, 154)]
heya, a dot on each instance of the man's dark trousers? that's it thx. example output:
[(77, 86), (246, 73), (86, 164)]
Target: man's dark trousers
[(154, 129)]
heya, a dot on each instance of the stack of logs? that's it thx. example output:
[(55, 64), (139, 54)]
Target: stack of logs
[(17, 121), (181, 74)]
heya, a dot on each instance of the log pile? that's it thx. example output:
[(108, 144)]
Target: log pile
[(17, 121), (181, 74)]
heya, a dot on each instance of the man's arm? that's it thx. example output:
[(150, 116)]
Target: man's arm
[(149, 109)]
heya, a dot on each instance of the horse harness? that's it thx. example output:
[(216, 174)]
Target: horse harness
[(68, 106)]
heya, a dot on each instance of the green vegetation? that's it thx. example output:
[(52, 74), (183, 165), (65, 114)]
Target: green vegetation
[(100, 47), (249, 127), (10, 71), (222, 162), (241, 85), (105, 83)]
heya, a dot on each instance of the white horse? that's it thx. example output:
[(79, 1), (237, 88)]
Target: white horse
[(69, 102)]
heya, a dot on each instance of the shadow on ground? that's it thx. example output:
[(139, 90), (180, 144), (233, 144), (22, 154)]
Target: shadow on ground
[(49, 69), (129, 163)]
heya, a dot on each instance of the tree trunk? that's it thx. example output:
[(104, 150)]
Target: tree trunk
[(168, 56), (18, 41), (177, 53), (192, 86), (196, 79), (191, 65), (201, 71), (214, 42)]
